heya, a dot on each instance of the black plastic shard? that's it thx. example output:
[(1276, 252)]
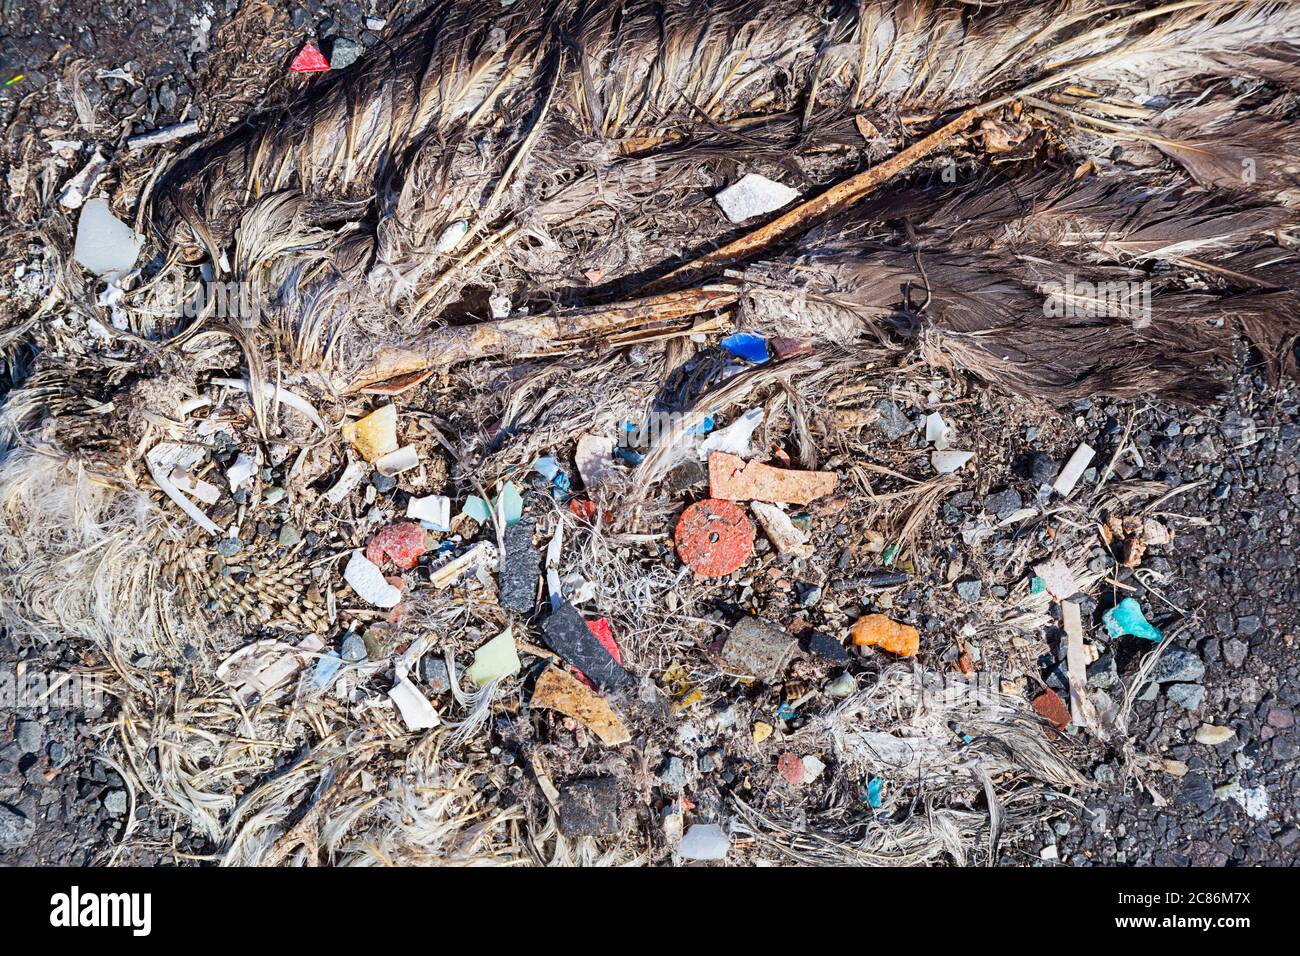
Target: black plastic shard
[(568, 635), (520, 568)]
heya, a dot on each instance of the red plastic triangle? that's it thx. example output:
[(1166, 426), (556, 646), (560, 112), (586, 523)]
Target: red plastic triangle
[(309, 60)]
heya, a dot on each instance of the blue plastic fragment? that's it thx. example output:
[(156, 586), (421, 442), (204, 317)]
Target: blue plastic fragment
[(785, 712), (327, 665), (547, 467), (510, 503), (746, 345), (875, 787), (703, 428), (629, 455), (1126, 618)]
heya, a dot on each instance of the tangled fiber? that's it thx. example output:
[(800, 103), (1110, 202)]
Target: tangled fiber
[(1062, 199)]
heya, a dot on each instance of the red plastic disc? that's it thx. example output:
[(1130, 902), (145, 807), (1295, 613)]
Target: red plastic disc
[(714, 537)]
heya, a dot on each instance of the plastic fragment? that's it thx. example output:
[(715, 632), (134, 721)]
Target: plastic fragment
[(451, 236), (309, 60), (375, 435), (759, 649), (936, 431), (481, 555), (780, 530), (327, 667), (509, 504), (1126, 618), (714, 537), (352, 476), (1073, 470), (704, 841), (735, 479), (394, 463), (401, 543), (105, 245), (433, 510), (947, 461), (476, 508), (1212, 735), (1052, 709), (734, 439), (569, 636), (1057, 578), (364, 577), (520, 568), (594, 457), (753, 195), (878, 630), (875, 792), (206, 492), (557, 690), (417, 712), (495, 660), (747, 346)]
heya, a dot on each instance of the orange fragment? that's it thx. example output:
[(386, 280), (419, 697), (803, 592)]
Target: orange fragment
[(877, 630)]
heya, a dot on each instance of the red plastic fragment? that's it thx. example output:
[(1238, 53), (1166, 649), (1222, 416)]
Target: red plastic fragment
[(791, 768), (1052, 709), (714, 537), (605, 634), (309, 60), (401, 543)]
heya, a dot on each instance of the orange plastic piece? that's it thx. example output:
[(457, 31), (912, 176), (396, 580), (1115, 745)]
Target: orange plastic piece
[(876, 630)]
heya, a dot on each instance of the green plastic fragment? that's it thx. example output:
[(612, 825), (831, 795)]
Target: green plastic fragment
[(890, 554), (509, 503), (1037, 585), (477, 509), (1126, 618), (495, 660)]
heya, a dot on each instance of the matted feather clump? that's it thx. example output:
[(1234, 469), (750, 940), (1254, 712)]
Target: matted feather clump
[(504, 220)]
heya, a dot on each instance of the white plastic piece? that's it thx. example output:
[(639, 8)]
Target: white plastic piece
[(451, 236), (704, 841), (594, 457), (936, 431), (206, 492), (364, 577), (352, 476), (241, 472), (435, 509), (80, 186), (296, 402), (168, 134), (105, 244), (947, 461), (1073, 470), (753, 195), (734, 439), (417, 712), (780, 530), (159, 475), (396, 462), (812, 768)]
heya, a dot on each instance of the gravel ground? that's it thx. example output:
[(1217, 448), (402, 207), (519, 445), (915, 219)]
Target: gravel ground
[(1235, 577)]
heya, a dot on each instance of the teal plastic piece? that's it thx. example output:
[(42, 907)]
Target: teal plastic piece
[(1126, 618)]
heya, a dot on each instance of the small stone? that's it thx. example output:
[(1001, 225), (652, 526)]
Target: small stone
[(970, 589), (893, 424), (344, 53), (1103, 673), (672, 775), (1234, 652), (229, 547), (288, 536), (16, 830), (383, 483), (354, 649), (1043, 468), (115, 802), (826, 647), (1186, 696), (1003, 503), (842, 686), (1177, 665), (273, 494), (1212, 735), (434, 672), (30, 736)]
